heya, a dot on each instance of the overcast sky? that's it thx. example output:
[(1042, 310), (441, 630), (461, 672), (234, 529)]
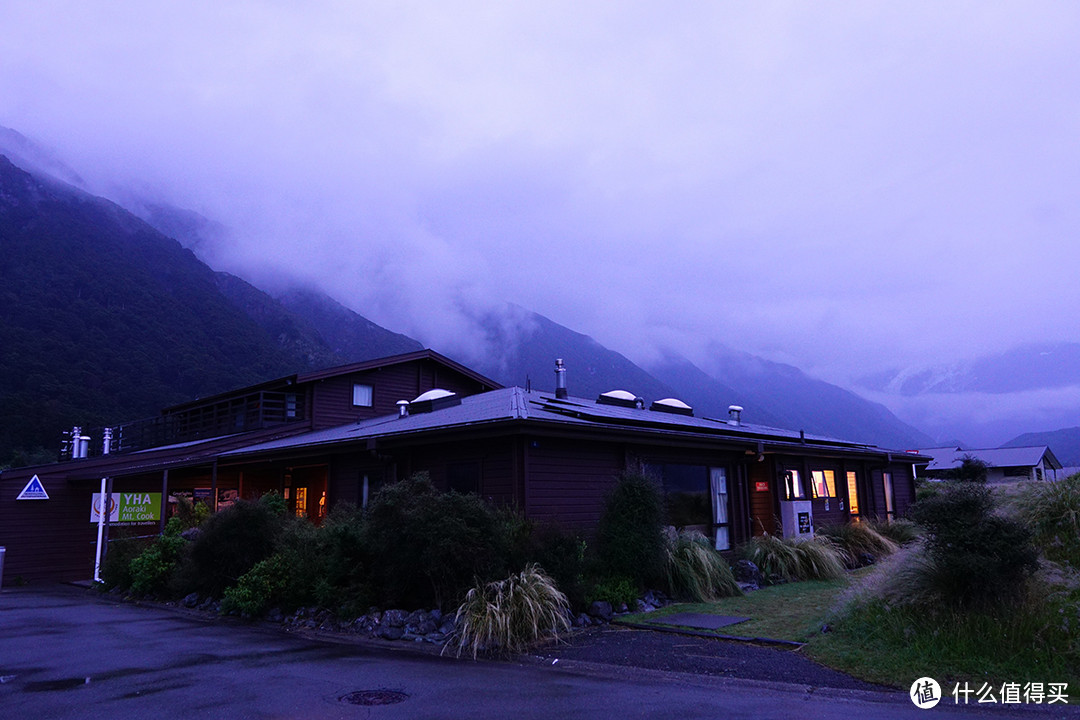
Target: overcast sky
[(847, 186)]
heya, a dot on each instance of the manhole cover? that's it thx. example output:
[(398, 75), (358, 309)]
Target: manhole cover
[(374, 697)]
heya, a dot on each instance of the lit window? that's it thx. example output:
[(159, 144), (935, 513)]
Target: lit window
[(887, 481), (793, 489), (853, 494), (823, 483), (718, 479), (361, 395)]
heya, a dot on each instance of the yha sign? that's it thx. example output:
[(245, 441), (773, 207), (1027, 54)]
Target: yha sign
[(128, 508)]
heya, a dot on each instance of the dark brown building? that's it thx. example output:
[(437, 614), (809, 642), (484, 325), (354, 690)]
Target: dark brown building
[(339, 434)]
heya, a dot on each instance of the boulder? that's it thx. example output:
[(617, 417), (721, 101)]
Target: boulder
[(191, 601), (747, 572), (601, 610)]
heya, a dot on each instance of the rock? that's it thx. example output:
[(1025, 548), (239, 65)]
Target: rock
[(436, 616), (191, 534), (583, 620), (425, 627), (642, 606), (649, 598), (394, 618), (622, 608), (600, 610), (448, 627), (865, 559), (191, 600), (275, 615), (390, 632), (748, 572)]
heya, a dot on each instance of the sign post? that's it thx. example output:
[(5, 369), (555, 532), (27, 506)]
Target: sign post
[(100, 532)]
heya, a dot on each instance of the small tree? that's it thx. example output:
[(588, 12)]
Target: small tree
[(971, 469), (630, 536)]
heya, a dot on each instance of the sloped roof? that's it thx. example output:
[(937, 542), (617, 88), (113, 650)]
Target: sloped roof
[(950, 458), (514, 404)]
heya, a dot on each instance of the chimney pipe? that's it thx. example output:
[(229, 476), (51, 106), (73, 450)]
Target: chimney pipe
[(106, 441), (402, 408), (735, 413), (560, 379)]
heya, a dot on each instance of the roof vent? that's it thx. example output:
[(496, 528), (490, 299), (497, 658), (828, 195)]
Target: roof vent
[(620, 398), (436, 399), (672, 405), (560, 379), (402, 408), (735, 414)]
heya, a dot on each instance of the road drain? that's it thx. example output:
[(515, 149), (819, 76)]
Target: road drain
[(374, 697)]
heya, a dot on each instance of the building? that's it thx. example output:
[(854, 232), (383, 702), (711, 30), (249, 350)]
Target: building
[(1006, 464), (337, 435)]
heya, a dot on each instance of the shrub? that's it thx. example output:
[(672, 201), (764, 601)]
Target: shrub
[(1052, 511), (337, 558), (696, 572), (508, 616), (974, 556), (629, 537), (153, 569), (857, 540), (562, 554), (427, 547), (614, 590), (116, 570), (259, 588), (229, 544), (786, 560)]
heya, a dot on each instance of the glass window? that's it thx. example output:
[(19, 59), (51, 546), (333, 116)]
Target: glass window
[(886, 479), (823, 483), (361, 395), (853, 494), (718, 480), (793, 489), (463, 477)]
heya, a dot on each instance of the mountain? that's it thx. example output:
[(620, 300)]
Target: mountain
[(104, 319), (777, 394), (987, 399), (1064, 443)]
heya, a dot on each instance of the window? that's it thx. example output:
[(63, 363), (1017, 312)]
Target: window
[(823, 483), (886, 479), (361, 395), (853, 494), (718, 480), (686, 494), (793, 489)]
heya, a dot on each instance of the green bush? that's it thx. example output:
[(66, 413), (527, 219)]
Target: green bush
[(426, 546), (152, 571), (563, 555), (337, 558), (260, 588), (789, 559), (229, 544), (857, 539), (116, 569), (629, 537), (696, 572), (975, 557), (508, 616), (1052, 511), (614, 590)]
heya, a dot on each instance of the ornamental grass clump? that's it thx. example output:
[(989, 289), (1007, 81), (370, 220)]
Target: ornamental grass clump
[(696, 572), (789, 559), (1052, 511), (857, 541), (901, 532), (508, 616)]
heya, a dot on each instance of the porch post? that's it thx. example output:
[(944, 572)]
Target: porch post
[(164, 500)]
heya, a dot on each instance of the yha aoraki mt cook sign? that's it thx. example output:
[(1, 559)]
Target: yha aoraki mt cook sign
[(128, 508)]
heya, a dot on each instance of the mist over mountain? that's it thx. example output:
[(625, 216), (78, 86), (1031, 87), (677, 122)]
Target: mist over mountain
[(125, 320)]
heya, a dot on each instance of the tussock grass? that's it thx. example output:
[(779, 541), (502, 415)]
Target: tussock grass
[(1052, 511), (855, 540), (696, 572), (901, 532), (507, 616), (788, 560)]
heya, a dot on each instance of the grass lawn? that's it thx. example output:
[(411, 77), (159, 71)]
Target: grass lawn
[(794, 611)]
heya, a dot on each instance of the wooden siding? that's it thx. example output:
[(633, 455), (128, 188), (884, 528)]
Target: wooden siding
[(762, 502), (332, 397), (568, 481), (495, 458)]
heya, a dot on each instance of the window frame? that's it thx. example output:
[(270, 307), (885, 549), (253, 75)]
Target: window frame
[(370, 395)]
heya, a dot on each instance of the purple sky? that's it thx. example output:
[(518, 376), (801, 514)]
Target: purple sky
[(845, 186)]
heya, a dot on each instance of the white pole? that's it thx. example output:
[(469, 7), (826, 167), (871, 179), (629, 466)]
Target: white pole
[(102, 509)]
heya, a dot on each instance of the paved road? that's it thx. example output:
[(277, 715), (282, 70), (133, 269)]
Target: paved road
[(67, 654)]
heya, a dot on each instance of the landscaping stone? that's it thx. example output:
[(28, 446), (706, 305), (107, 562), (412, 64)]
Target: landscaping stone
[(747, 572), (191, 600), (601, 610), (275, 615), (394, 618), (391, 632)]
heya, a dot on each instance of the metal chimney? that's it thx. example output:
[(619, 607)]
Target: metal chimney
[(735, 414), (106, 441), (560, 379), (402, 408)]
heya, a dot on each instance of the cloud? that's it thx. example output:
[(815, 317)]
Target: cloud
[(846, 187)]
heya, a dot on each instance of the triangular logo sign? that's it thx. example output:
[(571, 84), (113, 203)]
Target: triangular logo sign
[(33, 491)]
